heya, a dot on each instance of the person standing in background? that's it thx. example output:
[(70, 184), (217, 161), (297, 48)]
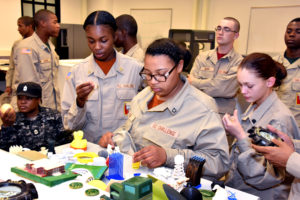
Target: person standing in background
[(26, 29), (289, 91), (126, 37), (37, 61), (214, 71)]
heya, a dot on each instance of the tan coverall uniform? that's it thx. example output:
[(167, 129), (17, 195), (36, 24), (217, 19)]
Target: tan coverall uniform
[(250, 171), (289, 91), (105, 108), (217, 78), (293, 167), (136, 52), (38, 63), (188, 124)]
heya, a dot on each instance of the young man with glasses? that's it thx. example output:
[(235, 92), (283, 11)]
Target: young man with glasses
[(170, 117), (214, 71)]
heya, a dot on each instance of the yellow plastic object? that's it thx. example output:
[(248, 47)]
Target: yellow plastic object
[(136, 165), (85, 157), (98, 184), (78, 142)]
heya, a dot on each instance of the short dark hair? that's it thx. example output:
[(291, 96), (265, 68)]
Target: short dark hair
[(165, 46), (236, 22), (27, 21), (100, 17), (295, 20), (128, 23), (264, 66), (41, 15)]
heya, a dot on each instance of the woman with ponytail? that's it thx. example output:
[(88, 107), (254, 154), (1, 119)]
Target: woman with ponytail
[(258, 75)]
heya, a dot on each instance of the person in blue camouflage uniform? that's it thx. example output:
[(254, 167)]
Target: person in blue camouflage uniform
[(33, 126)]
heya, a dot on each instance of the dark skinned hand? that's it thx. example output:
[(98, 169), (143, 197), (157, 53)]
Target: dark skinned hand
[(83, 90), (151, 156), (9, 117), (277, 155), (106, 139)]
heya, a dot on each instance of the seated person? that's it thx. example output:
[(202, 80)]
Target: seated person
[(258, 75), (33, 126), (171, 117)]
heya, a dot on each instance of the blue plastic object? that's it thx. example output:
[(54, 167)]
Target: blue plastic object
[(137, 174), (232, 196), (115, 168)]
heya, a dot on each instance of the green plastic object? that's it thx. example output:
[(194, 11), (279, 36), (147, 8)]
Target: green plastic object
[(135, 188), (158, 191), (97, 171), (47, 180)]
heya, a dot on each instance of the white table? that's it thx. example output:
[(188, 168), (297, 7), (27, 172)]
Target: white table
[(62, 190)]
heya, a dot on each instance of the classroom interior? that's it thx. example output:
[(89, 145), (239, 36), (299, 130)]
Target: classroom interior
[(263, 22)]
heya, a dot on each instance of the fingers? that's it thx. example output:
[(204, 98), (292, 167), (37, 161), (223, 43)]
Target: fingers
[(151, 156), (8, 117), (277, 142), (84, 89), (106, 139), (225, 119), (282, 135), (235, 114), (261, 149)]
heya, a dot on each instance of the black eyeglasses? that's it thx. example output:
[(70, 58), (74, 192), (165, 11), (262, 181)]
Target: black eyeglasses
[(225, 29), (157, 77)]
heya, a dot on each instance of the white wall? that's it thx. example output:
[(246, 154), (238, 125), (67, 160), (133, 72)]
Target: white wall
[(182, 9), (71, 11), (187, 14), (10, 12), (240, 9)]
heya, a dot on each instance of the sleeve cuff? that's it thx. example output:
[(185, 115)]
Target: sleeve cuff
[(293, 165), (244, 144), (297, 145), (171, 153)]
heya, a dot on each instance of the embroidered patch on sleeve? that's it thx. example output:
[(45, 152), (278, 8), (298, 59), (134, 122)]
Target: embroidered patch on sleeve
[(26, 51), (298, 98)]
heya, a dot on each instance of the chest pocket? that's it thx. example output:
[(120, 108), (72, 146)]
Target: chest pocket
[(159, 138), (206, 72), (44, 68), (125, 93), (296, 86)]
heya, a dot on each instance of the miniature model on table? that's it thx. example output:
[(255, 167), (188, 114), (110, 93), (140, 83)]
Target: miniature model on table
[(171, 117)]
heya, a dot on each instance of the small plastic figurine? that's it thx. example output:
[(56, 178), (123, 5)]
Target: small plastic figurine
[(78, 142), (178, 168)]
